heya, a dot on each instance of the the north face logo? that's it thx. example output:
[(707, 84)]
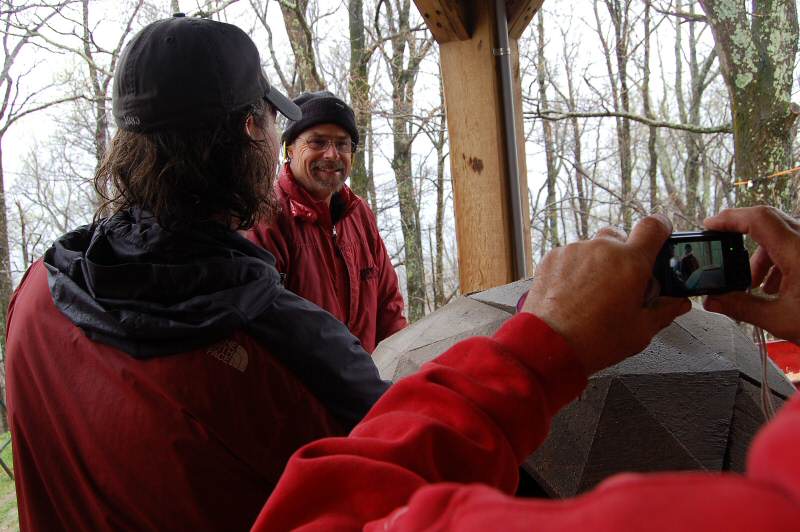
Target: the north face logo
[(230, 353)]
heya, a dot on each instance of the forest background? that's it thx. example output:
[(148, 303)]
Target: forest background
[(629, 106)]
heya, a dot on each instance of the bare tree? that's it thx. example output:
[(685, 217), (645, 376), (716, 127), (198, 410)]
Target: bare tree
[(701, 74), (19, 25), (652, 169), (359, 85), (51, 195), (551, 220), (439, 140), (405, 54), (301, 38), (757, 51), (619, 11), (100, 63)]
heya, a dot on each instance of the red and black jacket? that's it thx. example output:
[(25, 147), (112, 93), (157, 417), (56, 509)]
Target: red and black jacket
[(160, 379)]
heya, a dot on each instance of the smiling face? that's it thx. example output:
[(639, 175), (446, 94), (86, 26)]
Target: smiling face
[(317, 164)]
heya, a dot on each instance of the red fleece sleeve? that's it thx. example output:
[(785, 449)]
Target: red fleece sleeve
[(440, 451), (471, 415)]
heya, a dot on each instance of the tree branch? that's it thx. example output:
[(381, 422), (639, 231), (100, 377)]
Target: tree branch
[(554, 115)]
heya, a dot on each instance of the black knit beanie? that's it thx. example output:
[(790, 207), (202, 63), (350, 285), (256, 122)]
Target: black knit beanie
[(321, 107)]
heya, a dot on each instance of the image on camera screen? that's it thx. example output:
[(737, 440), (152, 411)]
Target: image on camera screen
[(697, 265)]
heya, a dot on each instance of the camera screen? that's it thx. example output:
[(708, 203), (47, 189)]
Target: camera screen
[(697, 266)]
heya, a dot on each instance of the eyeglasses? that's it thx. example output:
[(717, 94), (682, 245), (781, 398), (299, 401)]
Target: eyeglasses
[(322, 144)]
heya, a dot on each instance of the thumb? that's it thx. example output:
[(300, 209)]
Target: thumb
[(746, 307)]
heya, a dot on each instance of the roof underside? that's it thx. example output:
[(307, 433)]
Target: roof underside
[(450, 20)]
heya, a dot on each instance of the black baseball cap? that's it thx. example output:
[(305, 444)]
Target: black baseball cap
[(184, 72)]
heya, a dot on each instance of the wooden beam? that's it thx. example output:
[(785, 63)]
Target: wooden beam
[(446, 19), (520, 13), (474, 107)]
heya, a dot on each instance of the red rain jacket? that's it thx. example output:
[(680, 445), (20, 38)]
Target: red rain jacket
[(105, 441), (344, 267), (440, 451)]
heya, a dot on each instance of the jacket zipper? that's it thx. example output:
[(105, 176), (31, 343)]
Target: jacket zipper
[(338, 251)]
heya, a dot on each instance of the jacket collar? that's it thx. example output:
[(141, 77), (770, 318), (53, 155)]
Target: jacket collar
[(303, 206), (149, 291)]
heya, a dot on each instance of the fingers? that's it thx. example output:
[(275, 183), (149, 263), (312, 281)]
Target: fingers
[(613, 233), (760, 264), (766, 225), (745, 307), (649, 235), (772, 283)]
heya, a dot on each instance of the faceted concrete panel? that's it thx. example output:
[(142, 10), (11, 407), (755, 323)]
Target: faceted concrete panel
[(457, 320), (694, 408), (411, 361), (721, 334), (673, 350), (746, 419), (504, 297), (629, 438), (557, 465)]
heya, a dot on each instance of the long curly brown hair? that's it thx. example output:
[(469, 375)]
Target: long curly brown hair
[(187, 176)]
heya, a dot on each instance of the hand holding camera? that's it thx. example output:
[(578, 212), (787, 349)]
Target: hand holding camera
[(592, 293), (774, 268)]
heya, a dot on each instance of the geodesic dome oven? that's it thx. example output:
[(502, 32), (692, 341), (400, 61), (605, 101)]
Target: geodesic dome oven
[(690, 401)]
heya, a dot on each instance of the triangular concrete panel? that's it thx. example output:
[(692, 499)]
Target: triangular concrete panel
[(456, 319), (503, 297), (722, 335), (557, 465), (628, 438), (673, 350), (412, 360), (696, 408), (747, 418)]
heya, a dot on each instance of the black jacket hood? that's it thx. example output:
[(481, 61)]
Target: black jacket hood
[(132, 284)]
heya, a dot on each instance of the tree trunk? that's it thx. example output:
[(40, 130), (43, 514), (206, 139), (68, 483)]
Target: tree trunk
[(98, 97), (441, 139), (359, 95), (757, 55), (619, 11), (582, 185), (619, 16), (302, 42), (701, 76), (23, 233), (370, 156), (551, 216), (403, 79), (5, 285), (652, 169)]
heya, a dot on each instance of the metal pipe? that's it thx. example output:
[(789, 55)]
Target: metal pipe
[(503, 54)]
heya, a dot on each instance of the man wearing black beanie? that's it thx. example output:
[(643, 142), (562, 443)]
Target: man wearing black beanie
[(325, 238)]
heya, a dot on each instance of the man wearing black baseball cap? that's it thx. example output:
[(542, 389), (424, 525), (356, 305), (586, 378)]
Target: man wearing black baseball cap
[(159, 376), (324, 237)]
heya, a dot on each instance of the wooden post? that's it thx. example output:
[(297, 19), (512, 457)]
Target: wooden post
[(474, 107)]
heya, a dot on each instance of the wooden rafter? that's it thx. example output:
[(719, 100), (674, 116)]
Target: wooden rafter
[(446, 19), (520, 13)]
